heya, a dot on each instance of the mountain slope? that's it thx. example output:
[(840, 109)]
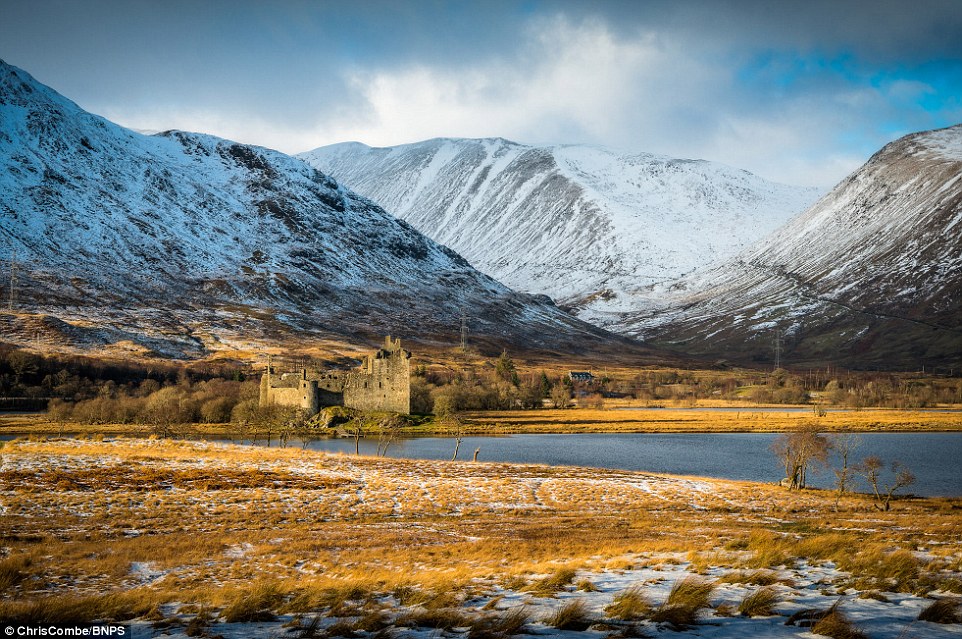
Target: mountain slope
[(871, 275), (180, 243), (584, 225)]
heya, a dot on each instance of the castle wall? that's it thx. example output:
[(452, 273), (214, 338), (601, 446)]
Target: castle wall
[(287, 390), (383, 383)]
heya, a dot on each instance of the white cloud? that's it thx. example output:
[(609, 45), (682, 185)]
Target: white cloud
[(580, 82)]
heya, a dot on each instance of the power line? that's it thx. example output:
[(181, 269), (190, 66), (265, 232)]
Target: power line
[(778, 349)]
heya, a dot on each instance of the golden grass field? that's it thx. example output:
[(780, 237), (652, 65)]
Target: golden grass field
[(745, 418), (146, 528)]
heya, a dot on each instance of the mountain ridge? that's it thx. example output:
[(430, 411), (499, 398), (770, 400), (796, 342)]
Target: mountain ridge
[(586, 225), (870, 275), (184, 243)]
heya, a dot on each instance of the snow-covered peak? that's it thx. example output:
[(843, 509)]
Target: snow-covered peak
[(871, 274), (945, 143), (187, 234), (586, 225)]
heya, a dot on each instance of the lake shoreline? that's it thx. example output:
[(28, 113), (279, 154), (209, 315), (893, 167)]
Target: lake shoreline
[(619, 419), (723, 456)]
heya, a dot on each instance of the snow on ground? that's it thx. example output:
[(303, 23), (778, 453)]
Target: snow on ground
[(805, 588), (378, 494)]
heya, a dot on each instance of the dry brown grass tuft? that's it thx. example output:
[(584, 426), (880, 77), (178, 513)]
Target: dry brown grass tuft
[(686, 598), (553, 583), (947, 610), (760, 603), (13, 570), (120, 606), (896, 568), (837, 626), (629, 605), (256, 603), (440, 618), (873, 594), (572, 615), (508, 623), (586, 585), (768, 550), (755, 577)]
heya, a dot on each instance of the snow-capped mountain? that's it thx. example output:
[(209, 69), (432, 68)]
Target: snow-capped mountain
[(871, 275), (177, 241), (585, 225)]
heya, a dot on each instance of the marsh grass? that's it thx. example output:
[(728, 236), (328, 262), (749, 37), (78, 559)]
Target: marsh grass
[(586, 585), (417, 530), (837, 626), (593, 420), (874, 595), (553, 583), (199, 623), (256, 603), (439, 618), (120, 606), (686, 598), (338, 599), (508, 623), (754, 577), (945, 611), (951, 584), (13, 570), (629, 605), (572, 615), (760, 603)]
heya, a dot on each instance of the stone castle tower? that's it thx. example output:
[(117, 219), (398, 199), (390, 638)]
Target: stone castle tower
[(382, 383)]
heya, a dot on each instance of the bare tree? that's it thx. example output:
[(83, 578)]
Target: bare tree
[(457, 424), (387, 433), (294, 425), (449, 417), (355, 429), (799, 450), (844, 444), (560, 396), (872, 468)]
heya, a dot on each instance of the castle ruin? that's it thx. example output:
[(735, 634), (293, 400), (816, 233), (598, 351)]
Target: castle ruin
[(382, 383)]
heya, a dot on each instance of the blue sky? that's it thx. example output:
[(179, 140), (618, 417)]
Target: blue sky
[(799, 92)]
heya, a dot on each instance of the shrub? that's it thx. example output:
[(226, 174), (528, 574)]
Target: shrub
[(217, 411)]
